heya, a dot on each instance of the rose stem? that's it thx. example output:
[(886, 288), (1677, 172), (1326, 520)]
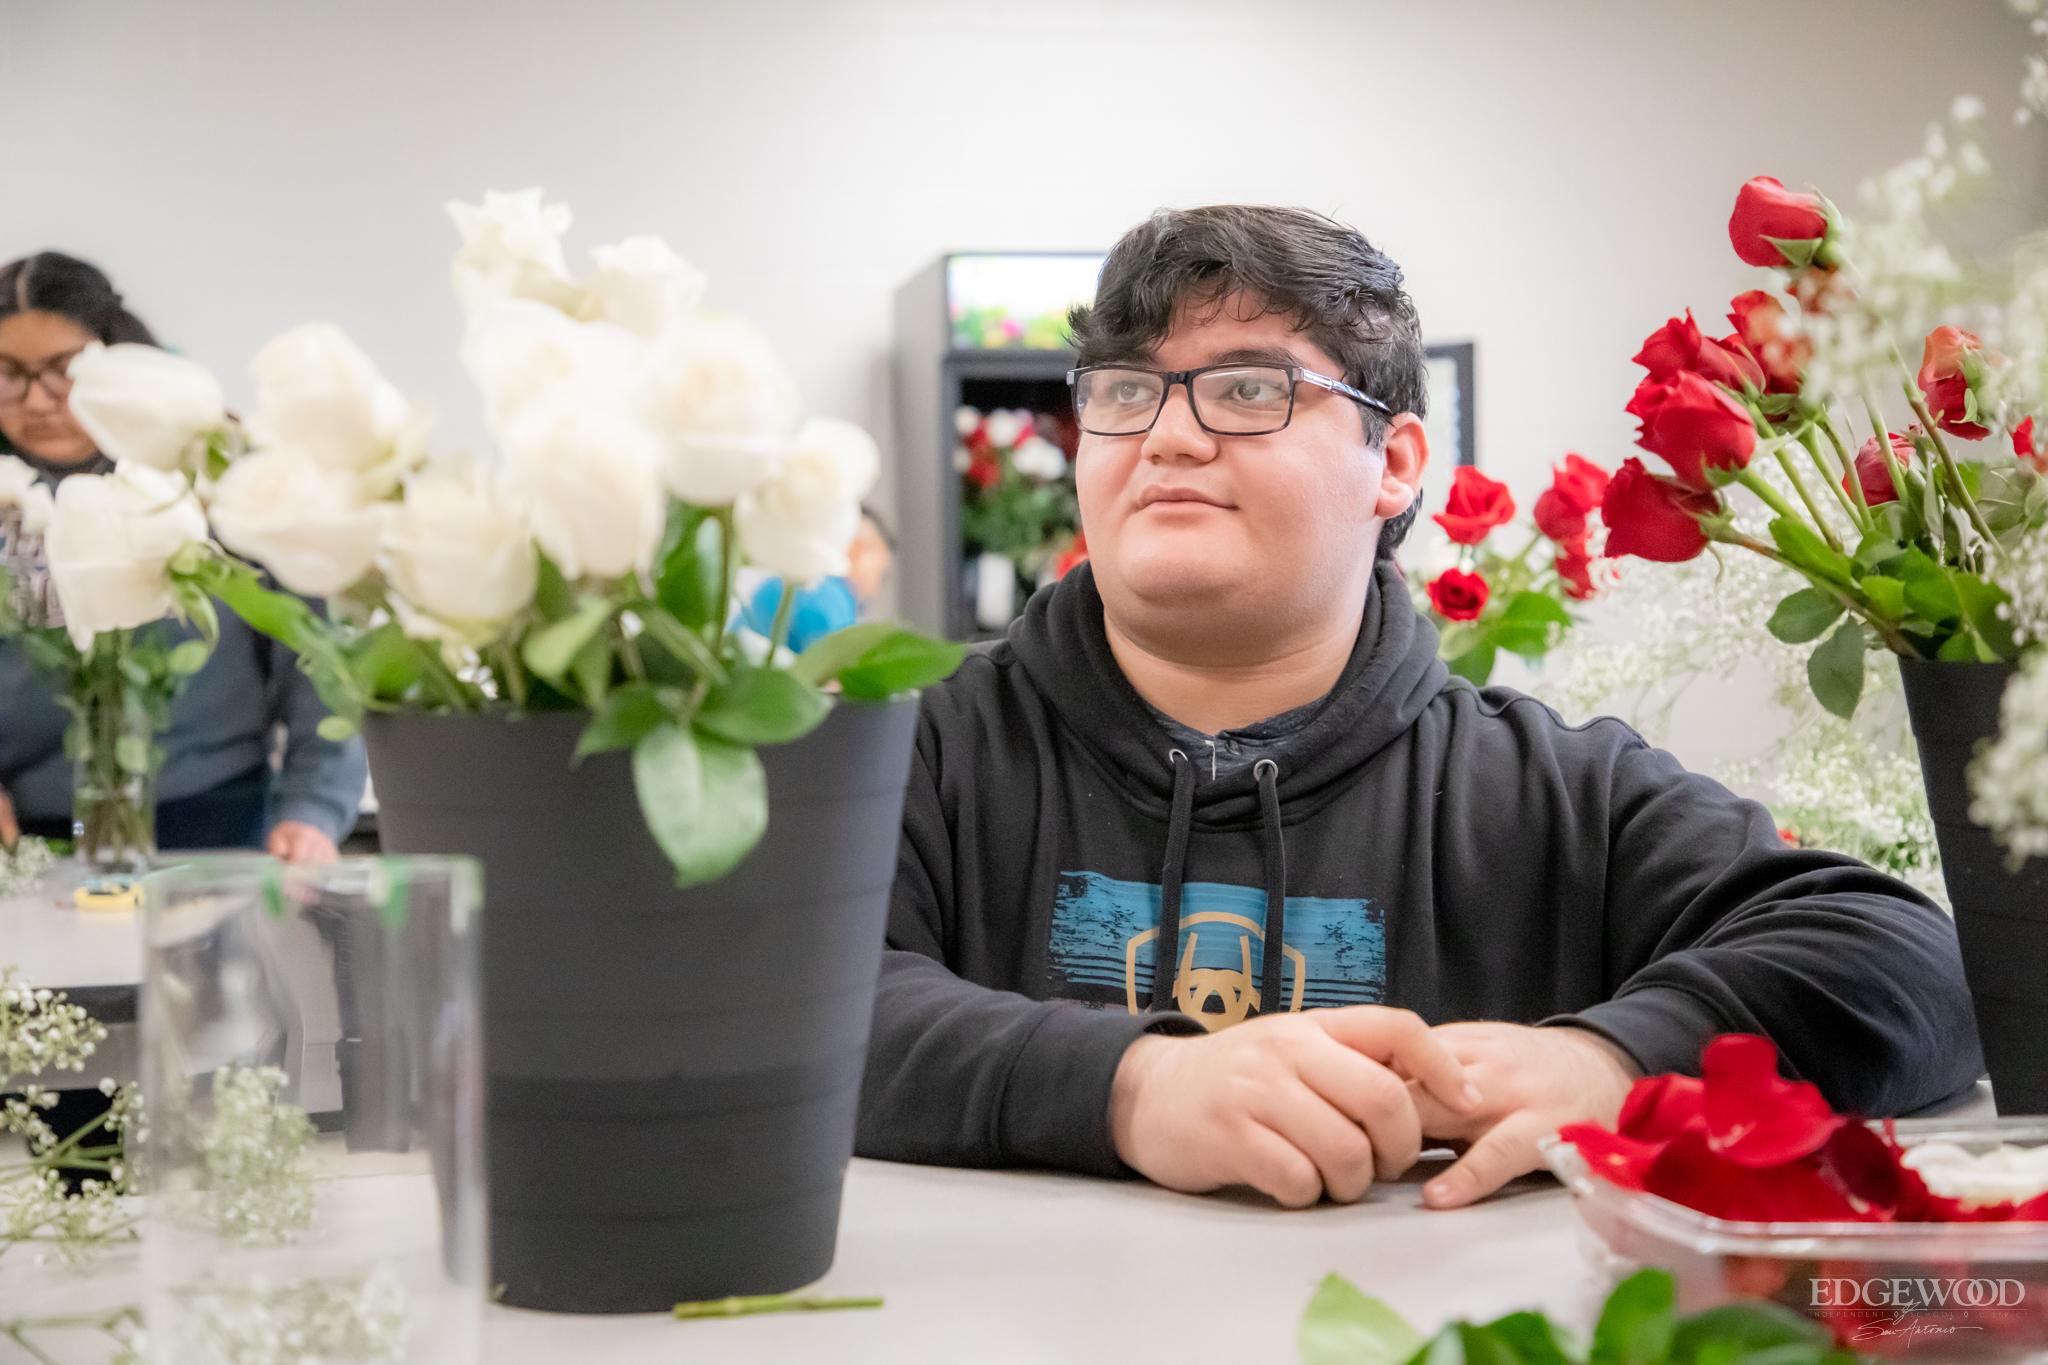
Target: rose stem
[(1850, 474), (1948, 464), (740, 1306), (779, 631), (1799, 487), (1859, 516)]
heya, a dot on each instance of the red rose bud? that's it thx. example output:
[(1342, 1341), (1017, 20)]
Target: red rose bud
[(1579, 482), (1947, 364), (1458, 596), (1678, 345), (1766, 214), (1654, 518), (1698, 426), (1075, 555), (985, 470), (2023, 447), (1874, 474), (1760, 323), (1576, 569), (1475, 506), (1558, 519)]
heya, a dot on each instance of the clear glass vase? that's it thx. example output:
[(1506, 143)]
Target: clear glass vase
[(115, 755), (312, 1082)]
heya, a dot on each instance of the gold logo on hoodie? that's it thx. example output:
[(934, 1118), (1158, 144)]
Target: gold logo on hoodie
[(1194, 987)]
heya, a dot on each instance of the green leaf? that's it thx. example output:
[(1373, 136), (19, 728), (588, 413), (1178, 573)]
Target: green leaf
[(901, 660), (1929, 594), (592, 669), (1876, 549), (1530, 1337), (1734, 1330), (681, 642), (1980, 603), (627, 715), (397, 881), (1835, 670), (1803, 616), (705, 800), (1798, 252), (1637, 1325), (1344, 1326), (386, 663), (551, 650), (131, 752), (1803, 547), (1887, 594), (762, 706), (335, 729), (1476, 663), (1960, 648), (273, 896), (553, 598), (1536, 607), (828, 655), (189, 657), (688, 583)]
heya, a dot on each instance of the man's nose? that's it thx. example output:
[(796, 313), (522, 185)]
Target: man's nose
[(1177, 435)]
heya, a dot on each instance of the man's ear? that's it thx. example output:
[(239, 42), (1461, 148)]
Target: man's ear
[(1407, 451)]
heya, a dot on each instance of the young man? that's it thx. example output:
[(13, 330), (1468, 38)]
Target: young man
[(1194, 860)]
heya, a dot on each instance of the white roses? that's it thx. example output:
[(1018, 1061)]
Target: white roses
[(461, 561), (20, 488), (110, 542), (586, 481), (144, 406), (512, 248), (799, 522), (307, 523), (317, 392)]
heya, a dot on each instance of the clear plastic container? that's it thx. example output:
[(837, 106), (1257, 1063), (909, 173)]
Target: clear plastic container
[(1906, 1291)]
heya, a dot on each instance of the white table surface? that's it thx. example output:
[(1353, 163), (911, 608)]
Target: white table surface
[(995, 1267), (58, 945)]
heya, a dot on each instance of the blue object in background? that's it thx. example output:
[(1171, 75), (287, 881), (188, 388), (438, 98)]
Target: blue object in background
[(820, 609)]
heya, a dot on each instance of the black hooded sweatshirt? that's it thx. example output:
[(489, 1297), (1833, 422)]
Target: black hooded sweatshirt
[(1462, 853)]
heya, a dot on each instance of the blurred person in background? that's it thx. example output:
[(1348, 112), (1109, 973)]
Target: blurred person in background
[(217, 787)]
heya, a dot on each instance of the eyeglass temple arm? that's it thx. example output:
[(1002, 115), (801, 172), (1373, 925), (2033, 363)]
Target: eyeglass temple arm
[(1339, 386)]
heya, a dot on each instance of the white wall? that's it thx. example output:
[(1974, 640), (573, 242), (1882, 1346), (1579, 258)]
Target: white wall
[(1555, 177)]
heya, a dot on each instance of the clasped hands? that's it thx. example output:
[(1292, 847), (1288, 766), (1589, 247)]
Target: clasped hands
[(1323, 1103)]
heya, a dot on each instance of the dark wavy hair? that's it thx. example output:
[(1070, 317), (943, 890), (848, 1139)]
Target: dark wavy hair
[(51, 282), (1326, 277)]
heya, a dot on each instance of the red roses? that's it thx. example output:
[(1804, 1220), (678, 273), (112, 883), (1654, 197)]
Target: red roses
[(1576, 487), (1874, 474), (1457, 595), (1695, 425), (1680, 345), (2023, 447), (1652, 517), (1475, 506), (1772, 225), (1759, 322), (1744, 1143), (1951, 368)]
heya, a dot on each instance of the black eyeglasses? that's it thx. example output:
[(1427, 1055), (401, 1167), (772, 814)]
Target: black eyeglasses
[(16, 379), (1227, 400)]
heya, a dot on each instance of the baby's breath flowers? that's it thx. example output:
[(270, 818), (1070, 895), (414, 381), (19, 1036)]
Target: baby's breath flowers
[(40, 1031), (254, 1166), (2009, 781), (359, 1318), (23, 867)]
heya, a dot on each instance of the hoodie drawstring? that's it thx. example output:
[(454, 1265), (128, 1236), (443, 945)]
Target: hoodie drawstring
[(1268, 774), (1166, 948)]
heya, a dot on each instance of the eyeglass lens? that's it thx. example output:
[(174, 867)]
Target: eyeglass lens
[(1244, 401), (14, 382)]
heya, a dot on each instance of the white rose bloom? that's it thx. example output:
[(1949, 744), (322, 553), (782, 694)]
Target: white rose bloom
[(37, 507), (109, 539), (1004, 427), (16, 478), (306, 523), (459, 558), (518, 351), (642, 286), (316, 391), (512, 248), (142, 405), (800, 521), (585, 476), (1039, 458), (715, 390), (966, 420)]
